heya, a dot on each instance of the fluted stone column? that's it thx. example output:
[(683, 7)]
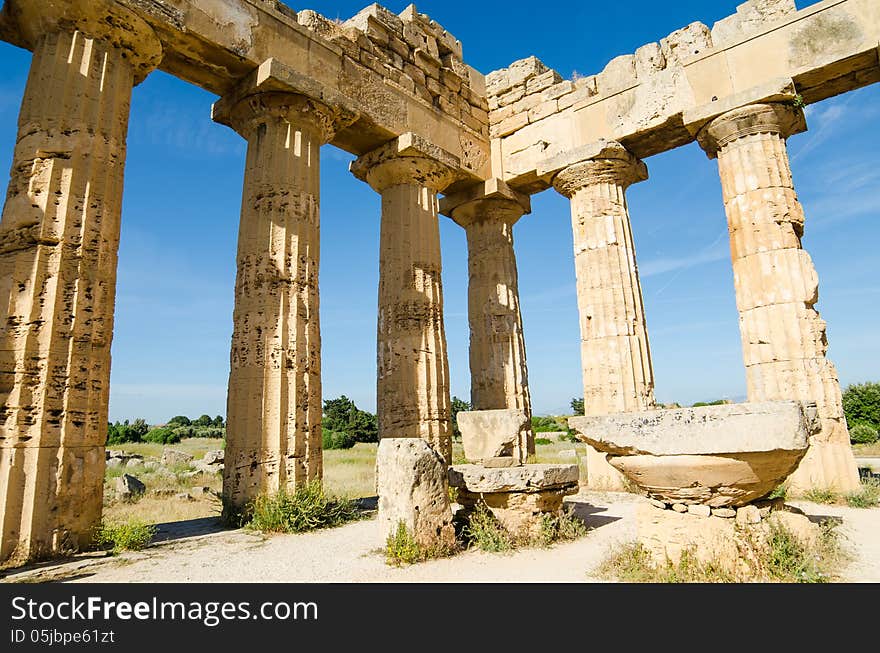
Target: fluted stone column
[(413, 371), (499, 374), (59, 237), (783, 337), (616, 358), (273, 433), (615, 354)]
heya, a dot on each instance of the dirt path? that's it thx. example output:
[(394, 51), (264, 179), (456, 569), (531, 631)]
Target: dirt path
[(197, 552)]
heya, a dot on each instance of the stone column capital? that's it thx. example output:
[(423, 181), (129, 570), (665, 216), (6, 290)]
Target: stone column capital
[(605, 162), (770, 118), (248, 113), (102, 20), (408, 159), (489, 201)]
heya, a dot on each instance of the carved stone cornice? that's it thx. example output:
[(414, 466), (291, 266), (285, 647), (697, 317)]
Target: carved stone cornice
[(771, 118)]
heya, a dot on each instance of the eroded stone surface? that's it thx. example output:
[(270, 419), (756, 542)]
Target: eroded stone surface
[(487, 434), (476, 478), (413, 489), (783, 337), (59, 237)]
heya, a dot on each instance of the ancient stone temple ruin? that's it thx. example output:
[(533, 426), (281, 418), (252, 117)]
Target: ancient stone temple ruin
[(433, 137)]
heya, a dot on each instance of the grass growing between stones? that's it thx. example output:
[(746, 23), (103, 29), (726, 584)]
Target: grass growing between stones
[(307, 508), (484, 532), (781, 558), (867, 496), (130, 535), (401, 548)]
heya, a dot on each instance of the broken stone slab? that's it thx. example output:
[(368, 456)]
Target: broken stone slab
[(528, 478), (129, 487), (214, 457), (413, 489), (171, 457), (706, 430), (487, 434), (720, 456)]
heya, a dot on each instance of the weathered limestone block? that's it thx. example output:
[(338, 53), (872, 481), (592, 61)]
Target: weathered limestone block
[(750, 17), (59, 237), (413, 489), (516, 479), (413, 371), (128, 487), (718, 456), (667, 535), (489, 434), (274, 403), (499, 373), (784, 341), (518, 497)]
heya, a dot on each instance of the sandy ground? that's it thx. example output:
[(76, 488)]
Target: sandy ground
[(197, 551)]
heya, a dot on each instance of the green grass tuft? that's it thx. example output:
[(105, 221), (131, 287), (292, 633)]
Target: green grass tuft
[(868, 496), (306, 508), (131, 535)]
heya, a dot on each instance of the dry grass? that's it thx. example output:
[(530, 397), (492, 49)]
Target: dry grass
[(351, 472), (550, 453), (196, 447), (867, 450)]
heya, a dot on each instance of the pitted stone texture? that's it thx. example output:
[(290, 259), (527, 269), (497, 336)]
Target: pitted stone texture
[(783, 338), (750, 17), (705, 430), (615, 355), (667, 535), (274, 403), (413, 371), (719, 456), (528, 478), (413, 489), (59, 238), (487, 434), (519, 513), (499, 373)]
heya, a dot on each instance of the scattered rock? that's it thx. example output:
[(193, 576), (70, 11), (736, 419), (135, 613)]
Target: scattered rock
[(188, 475), (151, 465), (183, 496), (214, 457), (657, 503), (129, 487), (171, 457), (748, 515), (699, 510), (725, 513), (134, 462), (115, 462), (200, 491), (679, 507)]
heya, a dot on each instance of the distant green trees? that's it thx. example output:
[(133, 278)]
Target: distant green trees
[(344, 424), (458, 405), (177, 428), (577, 406), (861, 405), (717, 402)]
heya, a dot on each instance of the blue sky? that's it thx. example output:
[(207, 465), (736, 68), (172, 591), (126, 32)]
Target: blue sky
[(183, 193)]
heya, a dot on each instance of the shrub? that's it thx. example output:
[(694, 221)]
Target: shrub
[(401, 547), (543, 441), (180, 420), (820, 495), (861, 404), (342, 416), (120, 433), (862, 433), (486, 533), (546, 425), (458, 405), (561, 528), (163, 435), (306, 508), (335, 440), (131, 535), (866, 497)]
